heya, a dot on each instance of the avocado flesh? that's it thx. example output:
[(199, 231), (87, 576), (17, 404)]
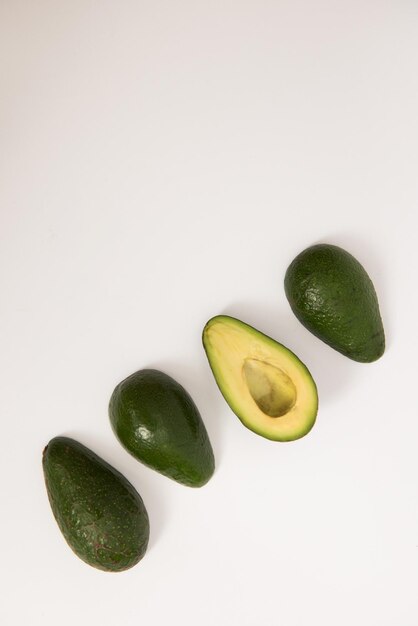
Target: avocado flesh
[(265, 384), (156, 421), (332, 295), (99, 512)]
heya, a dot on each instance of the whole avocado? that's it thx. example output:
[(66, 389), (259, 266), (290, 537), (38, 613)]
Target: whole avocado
[(156, 420), (100, 514), (332, 295)]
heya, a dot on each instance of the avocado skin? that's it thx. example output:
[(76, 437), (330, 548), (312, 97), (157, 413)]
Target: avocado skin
[(332, 295), (100, 514), (156, 421)]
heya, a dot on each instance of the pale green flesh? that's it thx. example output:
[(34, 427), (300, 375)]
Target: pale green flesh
[(264, 383)]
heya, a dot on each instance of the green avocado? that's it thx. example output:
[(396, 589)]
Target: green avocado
[(100, 514), (156, 420), (332, 295), (264, 383)]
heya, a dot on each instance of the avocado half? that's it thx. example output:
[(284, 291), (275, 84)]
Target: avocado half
[(265, 384)]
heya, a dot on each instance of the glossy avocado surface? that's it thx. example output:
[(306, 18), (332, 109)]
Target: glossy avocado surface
[(156, 420), (99, 512), (332, 295)]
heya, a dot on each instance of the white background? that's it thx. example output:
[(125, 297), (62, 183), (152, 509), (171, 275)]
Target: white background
[(162, 162)]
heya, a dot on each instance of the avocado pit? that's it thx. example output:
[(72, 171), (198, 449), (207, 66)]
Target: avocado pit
[(270, 387)]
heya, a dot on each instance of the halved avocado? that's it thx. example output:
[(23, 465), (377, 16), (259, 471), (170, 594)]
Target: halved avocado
[(264, 383)]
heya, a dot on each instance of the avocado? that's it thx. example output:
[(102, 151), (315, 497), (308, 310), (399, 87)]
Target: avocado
[(332, 295), (264, 383), (156, 420), (100, 514)]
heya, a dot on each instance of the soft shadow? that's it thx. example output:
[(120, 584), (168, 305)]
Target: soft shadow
[(198, 381), (331, 371), (144, 480), (367, 253)]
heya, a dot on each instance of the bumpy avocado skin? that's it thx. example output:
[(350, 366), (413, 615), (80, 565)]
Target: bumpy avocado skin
[(156, 420), (100, 514), (332, 295)]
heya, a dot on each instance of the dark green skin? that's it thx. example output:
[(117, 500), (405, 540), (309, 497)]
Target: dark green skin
[(157, 421), (332, 295), (100, 514)]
